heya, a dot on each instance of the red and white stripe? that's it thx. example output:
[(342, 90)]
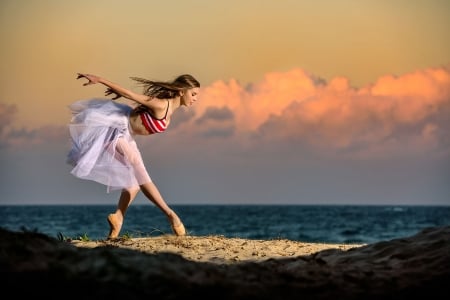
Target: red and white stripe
[(151, 124)]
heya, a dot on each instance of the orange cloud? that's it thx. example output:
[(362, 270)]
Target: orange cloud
[(395, 111), (296, 110), (253, 104)]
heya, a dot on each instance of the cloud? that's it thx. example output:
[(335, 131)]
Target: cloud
[(253, 104), (297, 111), (7, 114), (216, 122), (18, 137), (397, 115), (290, 138)]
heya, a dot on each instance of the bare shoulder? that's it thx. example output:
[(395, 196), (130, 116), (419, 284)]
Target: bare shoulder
[(158, 107), (155, 104)]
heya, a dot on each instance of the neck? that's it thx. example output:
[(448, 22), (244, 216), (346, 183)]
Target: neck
[(176, 102)]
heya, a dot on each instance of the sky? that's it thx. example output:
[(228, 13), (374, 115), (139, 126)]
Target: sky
[(302, 102)]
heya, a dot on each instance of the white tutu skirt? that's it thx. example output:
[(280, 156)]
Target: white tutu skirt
[(103, 147)]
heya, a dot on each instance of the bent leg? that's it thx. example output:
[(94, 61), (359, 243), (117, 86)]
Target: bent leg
[(126, 151), (129, 151), (115, 220)]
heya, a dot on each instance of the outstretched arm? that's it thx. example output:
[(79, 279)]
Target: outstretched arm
[(113, 88)]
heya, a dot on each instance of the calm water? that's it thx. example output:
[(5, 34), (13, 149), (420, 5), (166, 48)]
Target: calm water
[(306, 223)]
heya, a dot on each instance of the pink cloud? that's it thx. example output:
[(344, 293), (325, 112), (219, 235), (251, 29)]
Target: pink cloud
[(395, 113), (41, 136), (7, 115), (402, 114), (253, 104)]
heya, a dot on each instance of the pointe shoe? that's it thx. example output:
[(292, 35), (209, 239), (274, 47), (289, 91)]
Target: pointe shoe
[(114, 226), (179, 229)]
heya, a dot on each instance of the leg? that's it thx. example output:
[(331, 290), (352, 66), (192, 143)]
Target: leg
[(131, 153), (115, 220), (152, 193)]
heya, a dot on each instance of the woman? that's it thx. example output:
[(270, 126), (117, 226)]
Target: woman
[(103, 145)]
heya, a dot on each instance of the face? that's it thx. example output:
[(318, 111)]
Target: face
[(190, 96)]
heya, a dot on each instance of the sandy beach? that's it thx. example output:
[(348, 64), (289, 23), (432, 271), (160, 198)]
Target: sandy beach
[(216, 249), (215, 267)]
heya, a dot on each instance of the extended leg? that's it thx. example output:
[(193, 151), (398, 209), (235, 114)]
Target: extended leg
[(152, 193)]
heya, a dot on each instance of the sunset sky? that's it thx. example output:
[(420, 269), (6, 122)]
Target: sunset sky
[(302, 102)]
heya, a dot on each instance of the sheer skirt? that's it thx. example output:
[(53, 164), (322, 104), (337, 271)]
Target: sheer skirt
[(103, 146)]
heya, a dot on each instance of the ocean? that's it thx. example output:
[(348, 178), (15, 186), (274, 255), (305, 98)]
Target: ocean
[(306, 223)]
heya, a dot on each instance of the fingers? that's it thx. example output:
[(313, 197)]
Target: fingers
[(80, 75), (116, 96), (110, 91)]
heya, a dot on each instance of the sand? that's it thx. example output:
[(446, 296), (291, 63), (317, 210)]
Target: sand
[(216, 249), (215, 267)]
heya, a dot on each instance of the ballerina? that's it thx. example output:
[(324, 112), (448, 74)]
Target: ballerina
[(103, 146)]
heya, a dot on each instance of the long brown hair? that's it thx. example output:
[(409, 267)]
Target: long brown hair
[(167, 90)]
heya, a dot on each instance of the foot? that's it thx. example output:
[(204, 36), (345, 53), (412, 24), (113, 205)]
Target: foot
[(179, 229), (176, 224), (115, 225)]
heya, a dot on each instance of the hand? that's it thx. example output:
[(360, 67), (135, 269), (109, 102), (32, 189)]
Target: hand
[(92, 79), (110, 91)]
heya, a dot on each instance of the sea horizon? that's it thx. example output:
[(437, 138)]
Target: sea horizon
[(331, 223)]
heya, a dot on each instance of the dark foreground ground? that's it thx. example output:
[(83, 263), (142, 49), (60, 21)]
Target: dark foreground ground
[(38, 266)]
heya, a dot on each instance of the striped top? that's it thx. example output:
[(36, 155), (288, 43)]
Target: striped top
[(152, 124)]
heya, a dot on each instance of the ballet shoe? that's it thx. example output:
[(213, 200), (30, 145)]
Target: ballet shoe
[(114, 226), (179, 229)]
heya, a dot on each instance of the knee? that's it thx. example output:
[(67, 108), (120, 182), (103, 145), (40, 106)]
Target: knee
[(134, 160), (131, 190)]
